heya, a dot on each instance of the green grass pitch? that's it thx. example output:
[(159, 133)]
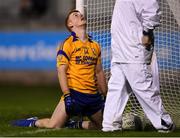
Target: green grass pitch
[(17, 102)]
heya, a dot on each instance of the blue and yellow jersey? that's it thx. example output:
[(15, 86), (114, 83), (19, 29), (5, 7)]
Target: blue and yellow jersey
[(82, 58)]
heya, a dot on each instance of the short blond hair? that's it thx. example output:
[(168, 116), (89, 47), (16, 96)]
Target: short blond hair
[(67, 19)]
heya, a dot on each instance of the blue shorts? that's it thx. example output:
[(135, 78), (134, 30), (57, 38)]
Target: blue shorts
[(86, 104)]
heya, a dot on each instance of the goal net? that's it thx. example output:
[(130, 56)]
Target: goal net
[(167, 48)]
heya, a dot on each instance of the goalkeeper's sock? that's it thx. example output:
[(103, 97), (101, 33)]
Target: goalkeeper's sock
[(74, 124)]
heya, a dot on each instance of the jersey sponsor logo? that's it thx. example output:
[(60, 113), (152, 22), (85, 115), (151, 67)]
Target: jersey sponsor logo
[(85, 60)]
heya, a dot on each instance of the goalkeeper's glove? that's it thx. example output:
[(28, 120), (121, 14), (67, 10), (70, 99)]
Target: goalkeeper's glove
[(68, 103)]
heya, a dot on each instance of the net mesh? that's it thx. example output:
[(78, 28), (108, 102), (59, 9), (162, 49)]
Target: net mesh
[(167, 47)]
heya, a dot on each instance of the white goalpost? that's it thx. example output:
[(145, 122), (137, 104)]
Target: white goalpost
[(167, 48), (80, 6)]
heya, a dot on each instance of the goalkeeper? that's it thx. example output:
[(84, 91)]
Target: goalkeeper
[(132, 28), (81, 79)]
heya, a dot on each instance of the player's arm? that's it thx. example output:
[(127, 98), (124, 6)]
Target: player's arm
[(64, 87), (150, 13), (63, 55), (150, 16), (63, 78), (101, 80)]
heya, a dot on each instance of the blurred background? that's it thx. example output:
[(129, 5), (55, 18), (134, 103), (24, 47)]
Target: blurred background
[(30, 31)]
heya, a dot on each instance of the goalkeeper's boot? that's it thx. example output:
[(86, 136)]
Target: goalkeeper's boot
[(30, 122), (111, 130), (73, 124), (171, 128)]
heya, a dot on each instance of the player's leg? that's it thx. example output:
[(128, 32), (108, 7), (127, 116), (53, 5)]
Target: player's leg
[(57, 119), (90, 105), (116, 99), (94, 122), (141, 77), (155, 71)]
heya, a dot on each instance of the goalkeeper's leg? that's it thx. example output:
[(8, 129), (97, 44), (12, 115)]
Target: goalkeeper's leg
[(116, 100), (147, 92), (155, 71)]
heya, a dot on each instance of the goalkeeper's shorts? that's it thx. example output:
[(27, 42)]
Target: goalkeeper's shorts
[(86, 104)]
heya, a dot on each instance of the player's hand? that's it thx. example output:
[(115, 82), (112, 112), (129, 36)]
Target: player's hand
[(68, 103), (148, 39)]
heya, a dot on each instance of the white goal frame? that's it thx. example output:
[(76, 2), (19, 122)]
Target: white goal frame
[(167, 48)]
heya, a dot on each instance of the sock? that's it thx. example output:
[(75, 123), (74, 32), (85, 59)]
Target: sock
[(74, 124), (79, 124)]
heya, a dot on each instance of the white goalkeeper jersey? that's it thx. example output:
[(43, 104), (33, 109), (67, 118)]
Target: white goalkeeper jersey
[(130, 18)]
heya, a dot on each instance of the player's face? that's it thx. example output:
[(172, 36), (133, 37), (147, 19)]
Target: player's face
[(77, 19)]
